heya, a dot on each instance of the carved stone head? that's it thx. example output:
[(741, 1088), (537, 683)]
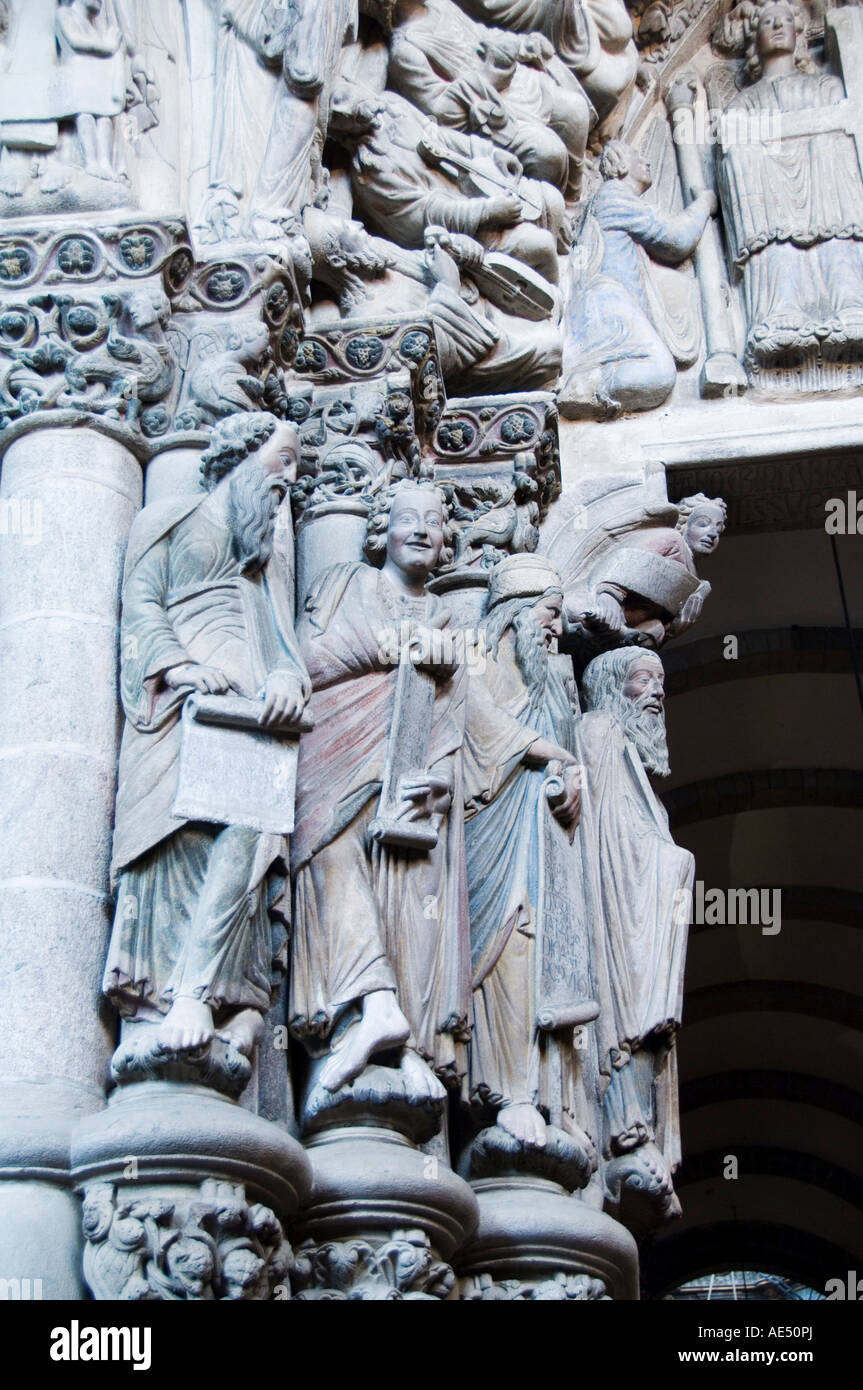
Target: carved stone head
[(629, 684), (235, 438), (409, 527), (701, 522), (775, 28), (148, 308), (621, 161), (525, 595)]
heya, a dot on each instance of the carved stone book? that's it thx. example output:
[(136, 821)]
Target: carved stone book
[(234, 772)]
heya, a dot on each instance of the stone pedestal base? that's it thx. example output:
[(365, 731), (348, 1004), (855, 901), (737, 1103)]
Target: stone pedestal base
[(383, 1222), (535, 1242), (184, 1197), (40, 1218)]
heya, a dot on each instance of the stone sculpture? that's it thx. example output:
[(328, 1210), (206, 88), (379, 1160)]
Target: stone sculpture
[(409, 173), (346, 212), (275, 66), (615, 357), (514, 91), (592, 37), (204, 614), (528, 929), (702, 522), (70, 72), (468, 236), (793, 205), (645, 589), (144, 1249), (374, 972), (639, 886)]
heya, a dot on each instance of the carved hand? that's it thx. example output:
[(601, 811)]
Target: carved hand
[(503, 210), (536, 50), (568, 812), (433, 651), (604, 614), (283, 698), (425, 797), (209, 680)]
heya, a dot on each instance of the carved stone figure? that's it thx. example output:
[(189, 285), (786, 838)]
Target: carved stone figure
[(89, 37), (380, 958), (407, 179), (480, 80), (66, 62), (615, 357), (702, 522), (135, 368), (592, 37), (528, 927), (481, 348), (205, 613), (639, 887), (107, 355), (495, 517), (409, 173), (231, 380), (268, 135), (793, 206), (646, 589)]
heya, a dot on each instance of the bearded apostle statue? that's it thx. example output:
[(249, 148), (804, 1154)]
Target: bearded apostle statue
[(639, 886), (207, 612), (529, 936)]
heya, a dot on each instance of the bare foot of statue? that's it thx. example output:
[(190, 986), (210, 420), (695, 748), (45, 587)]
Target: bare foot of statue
[(420, 1080), (243, 1030), (187, 1026), (524, 1122), (382, 1026)]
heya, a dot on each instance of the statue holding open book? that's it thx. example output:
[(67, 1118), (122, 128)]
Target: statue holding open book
[(213, 689)]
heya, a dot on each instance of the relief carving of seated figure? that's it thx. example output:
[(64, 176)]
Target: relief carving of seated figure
[(594, 38), (408, 173), (448, 200), (511, 88)]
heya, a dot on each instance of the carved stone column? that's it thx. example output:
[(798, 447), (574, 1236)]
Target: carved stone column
[(498, 457), (68, 499), (722, 373)]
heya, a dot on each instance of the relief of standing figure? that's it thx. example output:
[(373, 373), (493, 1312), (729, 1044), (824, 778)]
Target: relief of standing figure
[(206, 613)]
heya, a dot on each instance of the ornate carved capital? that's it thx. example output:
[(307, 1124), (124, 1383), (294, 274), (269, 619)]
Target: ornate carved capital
[(146, 1245)]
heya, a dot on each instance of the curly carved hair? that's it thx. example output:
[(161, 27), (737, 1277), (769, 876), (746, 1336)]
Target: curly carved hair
[(375, 545), (695, 503), (752, 24), (232, 440), (614, 160)]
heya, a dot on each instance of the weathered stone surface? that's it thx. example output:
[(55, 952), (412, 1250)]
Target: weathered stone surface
[(283, 237), (383, 1221)]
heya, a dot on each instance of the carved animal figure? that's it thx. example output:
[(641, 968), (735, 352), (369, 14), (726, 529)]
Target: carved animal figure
[(136, 370)]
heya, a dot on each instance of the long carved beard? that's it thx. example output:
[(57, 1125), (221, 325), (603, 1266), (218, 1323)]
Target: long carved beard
[(647, 732), (531, 654), (253, 501)]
